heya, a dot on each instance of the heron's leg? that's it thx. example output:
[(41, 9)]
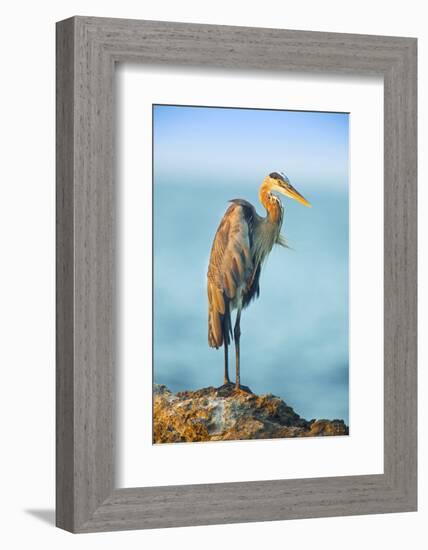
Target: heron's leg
[(226, 330), (237, 336), (226, 363)]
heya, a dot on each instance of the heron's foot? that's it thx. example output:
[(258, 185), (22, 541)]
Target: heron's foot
[(227, 389), (228, 385), (242, 389), (230, 388)]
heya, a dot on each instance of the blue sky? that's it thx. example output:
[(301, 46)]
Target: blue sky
[(195, 141)]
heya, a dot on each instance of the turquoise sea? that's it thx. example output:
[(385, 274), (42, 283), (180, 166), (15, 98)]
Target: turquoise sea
[(294, 340)]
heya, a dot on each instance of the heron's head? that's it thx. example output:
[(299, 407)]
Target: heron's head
[(279, 182)]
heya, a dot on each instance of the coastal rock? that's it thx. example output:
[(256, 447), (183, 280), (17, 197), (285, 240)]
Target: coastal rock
[(220, 414)]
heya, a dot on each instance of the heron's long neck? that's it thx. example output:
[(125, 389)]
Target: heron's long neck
[(271, 203), (267, 231)]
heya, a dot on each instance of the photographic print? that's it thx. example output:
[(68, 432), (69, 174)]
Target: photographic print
[(250, 273)]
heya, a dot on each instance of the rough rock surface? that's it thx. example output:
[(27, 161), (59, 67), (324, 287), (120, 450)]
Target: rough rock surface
[(219, 414)]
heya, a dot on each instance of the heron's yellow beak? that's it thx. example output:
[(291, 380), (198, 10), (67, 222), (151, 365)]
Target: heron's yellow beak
[(289, 191)]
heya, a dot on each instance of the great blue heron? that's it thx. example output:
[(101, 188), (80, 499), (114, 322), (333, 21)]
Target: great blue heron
[(241, 244)]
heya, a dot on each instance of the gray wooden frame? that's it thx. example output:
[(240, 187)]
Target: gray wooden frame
[(87, 50)]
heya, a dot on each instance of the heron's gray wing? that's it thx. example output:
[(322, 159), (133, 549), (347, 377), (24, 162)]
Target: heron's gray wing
[(230, 267)]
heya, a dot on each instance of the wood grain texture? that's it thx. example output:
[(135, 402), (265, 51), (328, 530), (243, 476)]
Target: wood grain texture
[(87, 50), (64, 276)]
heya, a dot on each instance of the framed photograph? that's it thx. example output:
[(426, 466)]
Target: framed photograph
[(236, 274)]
